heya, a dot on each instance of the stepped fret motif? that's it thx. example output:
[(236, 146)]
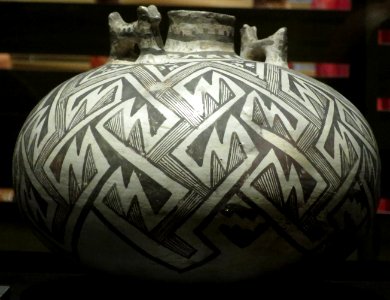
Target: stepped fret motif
[(178, 161)]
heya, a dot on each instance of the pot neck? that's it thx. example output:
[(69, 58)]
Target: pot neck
[(192, 32)]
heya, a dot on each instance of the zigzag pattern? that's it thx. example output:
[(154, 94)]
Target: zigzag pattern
[(170, 157)]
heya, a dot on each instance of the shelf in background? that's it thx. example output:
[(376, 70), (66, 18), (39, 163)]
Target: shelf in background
[(82, 63), (37, 22), (51, 62), (269, 4), (6, 195), (322, 70)]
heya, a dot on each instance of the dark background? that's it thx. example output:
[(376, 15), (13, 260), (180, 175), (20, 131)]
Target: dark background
[(348, 37)]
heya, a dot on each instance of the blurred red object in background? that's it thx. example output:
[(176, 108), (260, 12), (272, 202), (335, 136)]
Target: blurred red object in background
[(332, 70), (97, 61), (384, 37), (384, 206), (331, 4), (383, 104)]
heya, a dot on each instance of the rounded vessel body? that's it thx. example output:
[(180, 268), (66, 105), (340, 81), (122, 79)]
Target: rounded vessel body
[(197, 165)]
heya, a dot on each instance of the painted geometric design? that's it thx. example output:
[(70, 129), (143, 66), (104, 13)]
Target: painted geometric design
[(184, 162)]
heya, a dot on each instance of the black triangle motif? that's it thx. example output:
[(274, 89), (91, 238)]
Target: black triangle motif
[(217, 171), (307, 182), (80, 138), (136, 140), (79, 116), (155, 119), (138, 103), (353, 156), (84, 96), (89, 167), (344, 163), (56, 164), (267, 183), (155, 192), (361, 128), (126, 170), (44, 129), (81, 97), (369, 167), (330, 140), (168, 68), (236, 153), (31, 150), (347, 159), (28, 131), (302, 94), (291, 206), (350, 120), (324, 101), (134, 215), (192, 85), (221, 124), (74, 187), (243, 236), (237, 107), (115, 126), (317, 106), (108, 98), (225, 92), (113, 201), (196, 150), (267, 102)]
